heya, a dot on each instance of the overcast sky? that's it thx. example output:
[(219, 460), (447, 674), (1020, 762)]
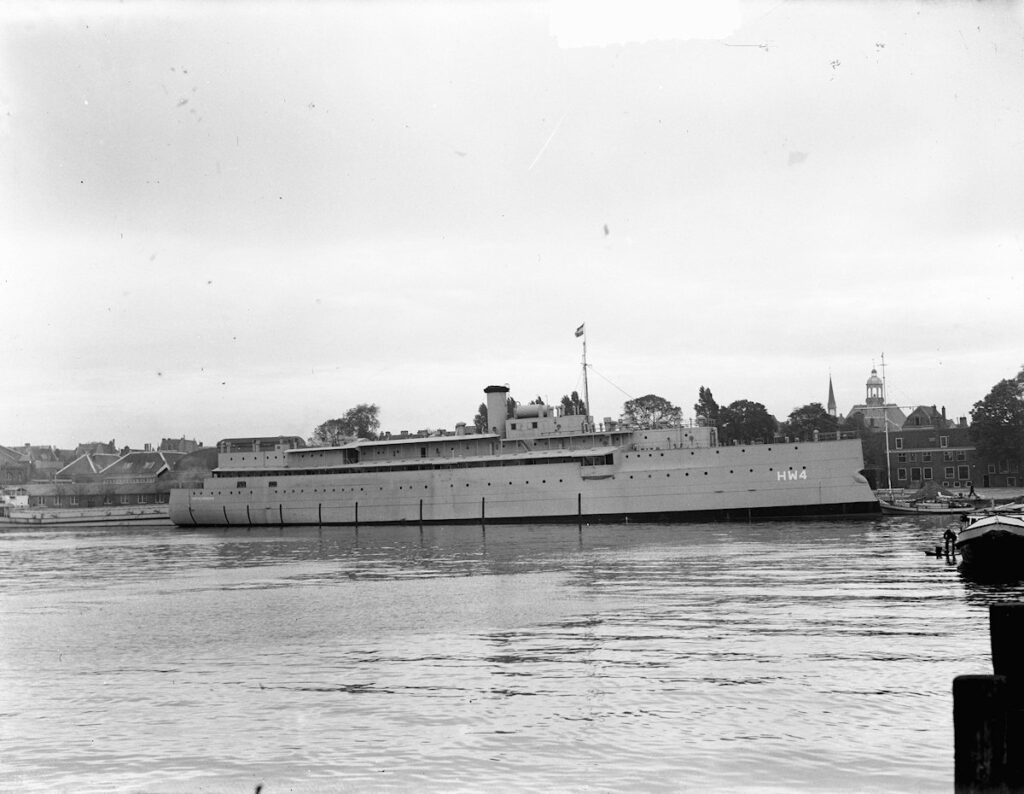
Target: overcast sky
[(222, 219)]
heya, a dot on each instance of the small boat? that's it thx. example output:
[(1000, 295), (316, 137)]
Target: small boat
[(931, 507), (993, 541)]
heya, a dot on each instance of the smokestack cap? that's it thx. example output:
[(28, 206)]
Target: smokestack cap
[(493, 389)]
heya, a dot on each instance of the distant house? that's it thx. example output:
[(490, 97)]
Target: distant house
[(182, 444), (939, 454), (96, 447), (15, 468)]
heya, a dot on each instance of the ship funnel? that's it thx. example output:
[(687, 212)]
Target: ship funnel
[(496, 409)]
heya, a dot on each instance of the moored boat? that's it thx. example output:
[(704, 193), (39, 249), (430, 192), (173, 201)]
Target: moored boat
[(91, 516), (541, 464), (993, 541), (935, 507)]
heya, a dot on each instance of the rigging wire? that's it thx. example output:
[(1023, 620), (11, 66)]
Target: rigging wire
[(630, 396)]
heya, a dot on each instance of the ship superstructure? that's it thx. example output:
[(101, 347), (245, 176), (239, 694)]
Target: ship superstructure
[(539, 465)]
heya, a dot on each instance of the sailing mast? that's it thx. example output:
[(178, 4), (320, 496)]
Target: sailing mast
[(885, 421)]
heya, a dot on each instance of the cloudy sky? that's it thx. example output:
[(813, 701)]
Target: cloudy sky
[(244, 218)]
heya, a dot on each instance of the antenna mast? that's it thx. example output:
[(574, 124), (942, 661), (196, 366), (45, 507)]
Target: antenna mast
[(586, 390)]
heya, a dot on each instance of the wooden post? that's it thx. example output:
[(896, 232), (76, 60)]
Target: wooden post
[(483, 513), (421, 516), (320, 515), (280, 513), (357, 516), (1006, 626), (988, 712), (225, 509), (579, 511), (248, 517)]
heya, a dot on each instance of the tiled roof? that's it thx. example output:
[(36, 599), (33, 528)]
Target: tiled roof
[(141, 464)]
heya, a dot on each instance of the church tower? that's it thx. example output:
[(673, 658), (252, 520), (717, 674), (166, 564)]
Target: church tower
[(874, 390), (831, 398)]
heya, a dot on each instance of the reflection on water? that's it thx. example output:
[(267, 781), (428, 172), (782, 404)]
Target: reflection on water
[(814, 656)]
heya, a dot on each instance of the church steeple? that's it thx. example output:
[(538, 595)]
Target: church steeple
[(831, 398)]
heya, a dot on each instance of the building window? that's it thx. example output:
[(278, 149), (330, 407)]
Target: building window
[(991, 468), (964, 472), (961, 455), (124, 499), (913, 457), (943, 441), (901, 458), (1011, 482), (901, 474), (915, 474), (947, 455), (927, 472), (926, 457), (73, 501), (950, 473), (899, 443), (56, 501), (143, 498)]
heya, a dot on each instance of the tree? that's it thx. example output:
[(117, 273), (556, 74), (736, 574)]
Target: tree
[(480, 420), (359, 422), (997, 422), (805, 420), (651, 411), (706, 406), (572, 404), (745, 421)]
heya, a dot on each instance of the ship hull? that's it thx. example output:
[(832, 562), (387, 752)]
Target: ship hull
[(706, 484)]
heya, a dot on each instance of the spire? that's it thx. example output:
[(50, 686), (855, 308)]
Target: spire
[(831, 398)]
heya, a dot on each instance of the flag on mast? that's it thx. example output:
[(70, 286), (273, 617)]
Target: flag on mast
[(579, 331)]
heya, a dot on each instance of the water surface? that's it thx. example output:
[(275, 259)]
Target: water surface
[(776, 656)]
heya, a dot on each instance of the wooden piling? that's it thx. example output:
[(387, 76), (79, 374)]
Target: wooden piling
[(988, 712)]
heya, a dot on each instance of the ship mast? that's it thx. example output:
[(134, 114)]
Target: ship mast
[(586, 390), (582, 331), (885, 421)]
